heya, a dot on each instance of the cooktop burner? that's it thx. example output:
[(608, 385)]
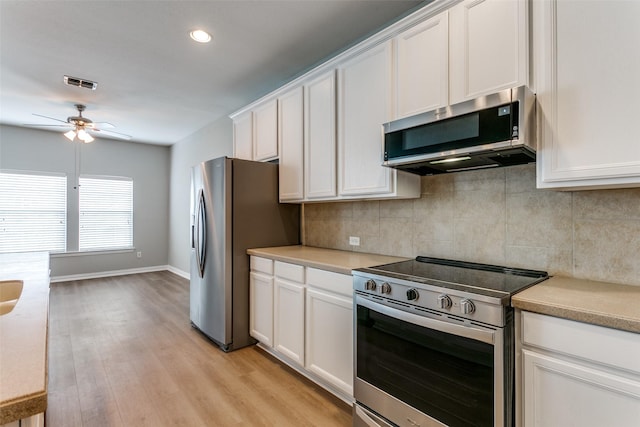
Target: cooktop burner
[(485, 279)]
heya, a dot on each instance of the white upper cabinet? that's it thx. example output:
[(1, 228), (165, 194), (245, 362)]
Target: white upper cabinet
[(320, 137), (488, 47), (586, 70), (364, 105), (291, 138), (422, 67), (265, 128), (447, 52), (255, 132), (243, 136)]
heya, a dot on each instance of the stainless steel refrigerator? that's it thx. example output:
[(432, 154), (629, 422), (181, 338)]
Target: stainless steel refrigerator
[(234, 206)]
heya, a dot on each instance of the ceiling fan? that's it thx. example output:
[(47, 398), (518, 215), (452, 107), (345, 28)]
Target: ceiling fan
[(82, 127)]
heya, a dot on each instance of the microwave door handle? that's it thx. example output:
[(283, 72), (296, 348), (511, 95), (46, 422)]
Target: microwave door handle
[(470, 332)]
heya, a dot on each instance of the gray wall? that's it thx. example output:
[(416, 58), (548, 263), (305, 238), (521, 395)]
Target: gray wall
[(214, 140), (495, 216), (148, 165)]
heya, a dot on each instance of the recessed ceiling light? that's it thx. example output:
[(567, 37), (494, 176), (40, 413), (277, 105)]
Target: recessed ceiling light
[(200, 36)]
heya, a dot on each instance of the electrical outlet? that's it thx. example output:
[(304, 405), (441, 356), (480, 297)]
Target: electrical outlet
[(139, 254), (354, 241)]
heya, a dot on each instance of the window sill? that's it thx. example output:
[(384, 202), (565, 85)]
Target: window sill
[(96, 252)]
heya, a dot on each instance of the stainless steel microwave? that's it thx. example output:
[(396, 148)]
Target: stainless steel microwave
[(491, 131)]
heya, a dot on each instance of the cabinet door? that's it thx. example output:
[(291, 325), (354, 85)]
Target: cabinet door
[(289, 319), (329, 338), (243, 136), (365, 101), (261, 307), (586, 72), (488, 47), (320, 137), (291, 135), (265, 127), (559, 393), (422, 67)]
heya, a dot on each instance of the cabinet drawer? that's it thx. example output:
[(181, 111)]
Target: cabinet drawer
[(595, 343), (330, 281), (262, 265), (292, 272)]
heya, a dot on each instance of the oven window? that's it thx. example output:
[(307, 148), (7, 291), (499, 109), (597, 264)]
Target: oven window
[(447, 377)]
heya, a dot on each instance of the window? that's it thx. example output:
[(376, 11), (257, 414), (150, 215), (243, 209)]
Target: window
[(33, 210), (106, 213)]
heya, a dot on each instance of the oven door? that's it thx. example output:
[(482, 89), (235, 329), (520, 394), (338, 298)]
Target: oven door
[(416, 370)]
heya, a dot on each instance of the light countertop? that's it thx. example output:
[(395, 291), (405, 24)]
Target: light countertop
[(23, 338), (325, 259), (599, 303)]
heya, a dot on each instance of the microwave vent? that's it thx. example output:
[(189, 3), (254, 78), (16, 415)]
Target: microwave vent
[(78, 82), (513, 158)]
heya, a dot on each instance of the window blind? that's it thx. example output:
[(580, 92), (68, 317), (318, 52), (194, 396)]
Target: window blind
[(33, 212), (106, 213)]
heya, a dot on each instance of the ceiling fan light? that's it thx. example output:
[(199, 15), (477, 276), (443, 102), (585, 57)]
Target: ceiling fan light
[(200, 36), (70, 135), (84, 136)]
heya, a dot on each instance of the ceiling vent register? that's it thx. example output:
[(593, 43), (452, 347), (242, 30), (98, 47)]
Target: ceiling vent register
[(75, 81)]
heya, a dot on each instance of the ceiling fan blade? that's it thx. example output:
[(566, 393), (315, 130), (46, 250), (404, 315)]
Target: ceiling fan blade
[(51, 118), (102, 125), (68, 125), (111, 133)]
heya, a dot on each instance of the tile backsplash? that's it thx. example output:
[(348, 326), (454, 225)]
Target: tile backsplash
[(494, 216)]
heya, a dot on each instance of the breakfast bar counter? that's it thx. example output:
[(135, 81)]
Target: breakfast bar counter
[(23, 338)]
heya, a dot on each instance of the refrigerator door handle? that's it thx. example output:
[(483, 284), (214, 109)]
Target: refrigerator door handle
[(201, 233)]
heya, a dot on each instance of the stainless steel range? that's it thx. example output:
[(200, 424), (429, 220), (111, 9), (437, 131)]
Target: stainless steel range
[(434, 343)]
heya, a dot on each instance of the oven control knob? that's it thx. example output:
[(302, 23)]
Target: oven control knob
[(467, 306), (370, 285), (385, 288), (444, 302), (412, 294)]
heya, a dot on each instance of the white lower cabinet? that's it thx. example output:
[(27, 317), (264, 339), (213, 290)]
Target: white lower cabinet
[(261, 300), (311, 322), (289, 319), (330, 338), (575, 374), (329, 328), (288, 305)]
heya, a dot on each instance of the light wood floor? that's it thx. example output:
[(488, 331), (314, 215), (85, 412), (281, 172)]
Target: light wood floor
[(122, 353)]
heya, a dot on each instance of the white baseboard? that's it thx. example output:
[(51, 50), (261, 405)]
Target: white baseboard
[(179, 272), (100, 274)]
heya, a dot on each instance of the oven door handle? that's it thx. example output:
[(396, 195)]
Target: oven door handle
[(467, 331)]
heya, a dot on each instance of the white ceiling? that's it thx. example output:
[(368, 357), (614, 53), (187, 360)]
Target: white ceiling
[(154, 82)]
